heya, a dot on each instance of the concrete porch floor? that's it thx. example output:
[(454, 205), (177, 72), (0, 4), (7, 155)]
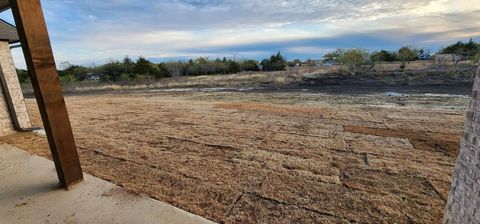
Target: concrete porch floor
[(29, 193)]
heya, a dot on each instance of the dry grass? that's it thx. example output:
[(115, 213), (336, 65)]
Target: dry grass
[(244, 79), (249, 79), (270, 158)]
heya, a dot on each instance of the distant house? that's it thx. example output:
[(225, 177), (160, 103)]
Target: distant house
[(445, 59), (330, 63), (312, 63), (425, 57), (93, 76)]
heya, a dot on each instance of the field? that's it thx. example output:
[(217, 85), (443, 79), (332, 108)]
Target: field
[(272, 157), (417, 73)]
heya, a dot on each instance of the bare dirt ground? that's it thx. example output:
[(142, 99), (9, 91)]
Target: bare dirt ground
[(272, 157)]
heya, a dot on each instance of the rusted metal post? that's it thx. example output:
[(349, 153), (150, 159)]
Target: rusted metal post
[(38, 54)]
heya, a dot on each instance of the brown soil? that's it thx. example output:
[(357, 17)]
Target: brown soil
[(269, 158)]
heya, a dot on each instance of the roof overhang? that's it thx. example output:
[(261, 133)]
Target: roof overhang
[(8, 32), (4, 5)]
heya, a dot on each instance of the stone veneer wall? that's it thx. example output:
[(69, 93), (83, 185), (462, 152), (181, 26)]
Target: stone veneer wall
[(463, 205), (10, 73)]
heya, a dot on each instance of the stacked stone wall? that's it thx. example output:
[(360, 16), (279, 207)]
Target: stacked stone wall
[(9, 72), (463, 204)]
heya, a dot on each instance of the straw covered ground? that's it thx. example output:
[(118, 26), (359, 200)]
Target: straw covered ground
[(272, 157)]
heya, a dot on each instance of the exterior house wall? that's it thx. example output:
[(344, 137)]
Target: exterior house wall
[(463, 204), (9, 72)]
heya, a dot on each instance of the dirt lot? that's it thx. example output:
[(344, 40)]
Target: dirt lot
[(272, 157)]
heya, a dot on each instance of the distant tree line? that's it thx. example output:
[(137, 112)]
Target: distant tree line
[(358, 56), (468, 50), (355, 58), (143, 69)]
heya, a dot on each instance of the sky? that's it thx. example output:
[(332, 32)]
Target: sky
[(92, 32)]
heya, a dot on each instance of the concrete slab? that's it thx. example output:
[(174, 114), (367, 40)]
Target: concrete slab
[(29, 193)]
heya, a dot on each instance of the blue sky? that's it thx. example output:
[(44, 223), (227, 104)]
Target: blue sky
[(94, 31)]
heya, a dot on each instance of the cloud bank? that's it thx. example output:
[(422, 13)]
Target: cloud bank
[(92, 31)]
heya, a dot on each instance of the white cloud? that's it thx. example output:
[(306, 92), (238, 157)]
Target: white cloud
[(92, 30), (309, 50)]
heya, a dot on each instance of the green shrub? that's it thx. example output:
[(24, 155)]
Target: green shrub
[(68, 78), (275, 63)]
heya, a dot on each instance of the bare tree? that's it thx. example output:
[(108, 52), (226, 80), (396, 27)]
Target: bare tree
[(456, 58), (175, 69)]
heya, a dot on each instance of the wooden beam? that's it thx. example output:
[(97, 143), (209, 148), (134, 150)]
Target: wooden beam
[(38, 54)]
